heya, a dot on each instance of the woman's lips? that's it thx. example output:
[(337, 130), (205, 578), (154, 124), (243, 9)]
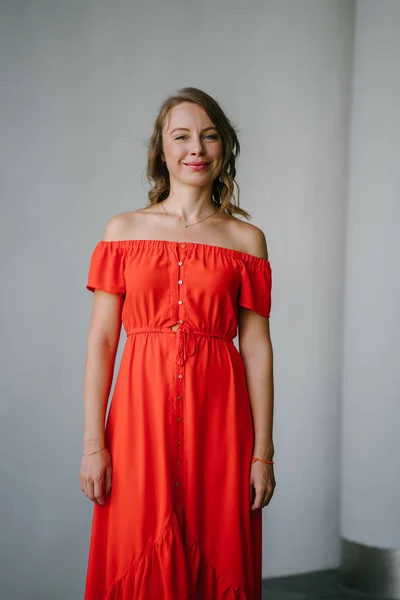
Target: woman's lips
[(197, 166)]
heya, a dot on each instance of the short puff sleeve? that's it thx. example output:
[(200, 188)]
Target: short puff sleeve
[(106, 270), (256, 285)]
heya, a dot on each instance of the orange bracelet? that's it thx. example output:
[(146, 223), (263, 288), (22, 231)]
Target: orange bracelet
[(255, 459)]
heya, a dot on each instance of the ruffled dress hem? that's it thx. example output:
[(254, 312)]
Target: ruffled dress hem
[(176, 566)]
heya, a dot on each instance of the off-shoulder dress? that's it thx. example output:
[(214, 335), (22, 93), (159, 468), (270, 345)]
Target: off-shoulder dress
[(178, 523)]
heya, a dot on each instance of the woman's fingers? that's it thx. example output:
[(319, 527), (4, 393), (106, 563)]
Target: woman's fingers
[(262, 498), (258, 500), (107, 481), (262, 490), (89, 489), (98, 491)]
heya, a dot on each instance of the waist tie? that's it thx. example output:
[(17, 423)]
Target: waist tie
[(186, 338)]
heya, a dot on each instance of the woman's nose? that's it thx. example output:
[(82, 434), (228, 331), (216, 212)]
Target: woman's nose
[(197, 146)]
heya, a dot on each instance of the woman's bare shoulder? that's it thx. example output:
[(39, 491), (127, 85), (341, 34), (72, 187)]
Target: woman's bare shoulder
[(116, 227), (251, 238), (124, 226)]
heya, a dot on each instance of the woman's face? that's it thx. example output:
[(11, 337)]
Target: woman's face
[(192, 147)]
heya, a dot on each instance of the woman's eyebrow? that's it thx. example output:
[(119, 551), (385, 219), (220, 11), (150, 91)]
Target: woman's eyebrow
[(186, 129)]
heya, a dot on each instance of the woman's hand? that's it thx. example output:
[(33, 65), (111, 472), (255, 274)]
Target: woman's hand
[(95, 476), (262, 484)]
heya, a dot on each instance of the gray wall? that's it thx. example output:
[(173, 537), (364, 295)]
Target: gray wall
[(80, 86), (370, 474)]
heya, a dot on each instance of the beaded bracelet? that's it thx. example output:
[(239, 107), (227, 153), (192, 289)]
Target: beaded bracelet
[(268, 462), (91, 453)]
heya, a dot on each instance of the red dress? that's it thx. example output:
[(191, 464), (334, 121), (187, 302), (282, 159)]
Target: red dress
[(178, 524)]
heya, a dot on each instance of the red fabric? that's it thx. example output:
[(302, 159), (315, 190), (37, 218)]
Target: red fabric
[(180, 414)]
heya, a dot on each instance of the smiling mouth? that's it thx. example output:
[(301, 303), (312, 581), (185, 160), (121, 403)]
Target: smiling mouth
[(198, 165)]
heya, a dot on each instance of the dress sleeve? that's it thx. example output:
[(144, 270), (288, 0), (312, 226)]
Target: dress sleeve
[(256, 285), (106, 270)]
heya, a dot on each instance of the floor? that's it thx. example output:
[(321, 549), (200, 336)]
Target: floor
[(311, 586)]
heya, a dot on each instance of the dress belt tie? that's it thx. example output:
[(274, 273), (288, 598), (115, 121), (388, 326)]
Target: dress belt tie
[(185, 338)]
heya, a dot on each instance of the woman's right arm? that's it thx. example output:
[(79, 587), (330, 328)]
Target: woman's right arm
[(102, 345)]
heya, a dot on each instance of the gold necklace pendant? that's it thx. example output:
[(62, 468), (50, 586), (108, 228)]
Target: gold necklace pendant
[(188, 225)]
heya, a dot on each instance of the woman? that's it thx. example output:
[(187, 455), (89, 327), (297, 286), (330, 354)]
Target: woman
[(181, 471)]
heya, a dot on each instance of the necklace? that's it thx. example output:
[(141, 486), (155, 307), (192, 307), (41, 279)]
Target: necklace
[(188, 224)]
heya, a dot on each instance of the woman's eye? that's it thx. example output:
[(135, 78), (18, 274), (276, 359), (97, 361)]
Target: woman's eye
[(212, 136)]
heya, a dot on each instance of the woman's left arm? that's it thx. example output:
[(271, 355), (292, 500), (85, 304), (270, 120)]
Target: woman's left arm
[(255, 347)]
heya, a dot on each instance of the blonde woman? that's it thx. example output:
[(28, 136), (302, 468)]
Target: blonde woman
[(180, 472)]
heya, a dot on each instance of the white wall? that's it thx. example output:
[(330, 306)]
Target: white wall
[(80, 86), (370, 481)]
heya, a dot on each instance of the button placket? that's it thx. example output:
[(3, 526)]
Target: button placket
[(180, 379)]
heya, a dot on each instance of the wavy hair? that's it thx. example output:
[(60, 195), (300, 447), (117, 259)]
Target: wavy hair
[(223, 186)]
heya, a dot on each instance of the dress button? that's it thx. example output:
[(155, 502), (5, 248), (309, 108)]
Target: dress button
[(180, 322), (180, 302), (180, 376), (183, 246), (178, 442), (179, 397), (180, 263), (180, 282), (176, 484), (179, 419), (177, 464)]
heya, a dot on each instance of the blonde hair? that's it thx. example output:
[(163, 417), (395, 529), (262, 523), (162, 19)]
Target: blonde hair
[(223, 186)]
